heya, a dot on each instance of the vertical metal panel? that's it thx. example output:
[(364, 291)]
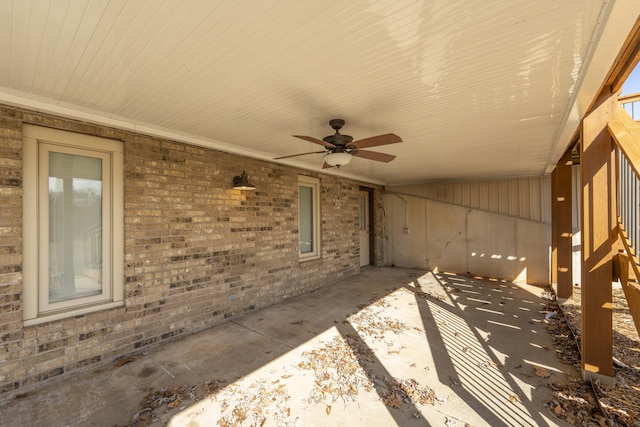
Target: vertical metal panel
[(535, 200), (456, 192), (505, 194), (474, 195), (514, 197), (483, 195), (494, 196), (526, 198), (466, 194)]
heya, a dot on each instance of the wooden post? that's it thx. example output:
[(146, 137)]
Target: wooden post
[(564, 228), (554, 230), (598, 212)]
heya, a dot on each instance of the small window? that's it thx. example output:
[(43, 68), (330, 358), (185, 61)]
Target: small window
[(73, 232), (309, 217)]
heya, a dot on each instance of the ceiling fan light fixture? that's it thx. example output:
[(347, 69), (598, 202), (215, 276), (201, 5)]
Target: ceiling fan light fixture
[(340, 148), (337, 159)]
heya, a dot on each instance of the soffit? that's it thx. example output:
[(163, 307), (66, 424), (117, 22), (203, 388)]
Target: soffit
[(475, 89)]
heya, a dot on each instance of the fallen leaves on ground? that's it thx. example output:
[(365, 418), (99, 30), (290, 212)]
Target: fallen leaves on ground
[(431, 295), (213, 386), (166, 399), (574, 402), (541, 372), (342, 368), (123, 361), (261, 401), (368, 323), (369, 320), (514, 398), (408, 391), (393, 400), (338, 372)]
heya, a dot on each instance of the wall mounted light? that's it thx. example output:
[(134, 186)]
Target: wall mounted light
[(240, 182)]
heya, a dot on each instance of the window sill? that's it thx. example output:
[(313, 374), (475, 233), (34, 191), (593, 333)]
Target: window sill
[(71, 313)]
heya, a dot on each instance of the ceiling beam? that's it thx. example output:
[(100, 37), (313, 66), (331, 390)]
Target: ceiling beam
[(626, 61)]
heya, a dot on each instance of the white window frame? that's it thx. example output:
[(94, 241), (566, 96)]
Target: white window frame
[(38, 142), (314, 184)]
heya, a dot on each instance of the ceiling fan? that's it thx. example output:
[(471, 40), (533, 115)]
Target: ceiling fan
[(340, 148)]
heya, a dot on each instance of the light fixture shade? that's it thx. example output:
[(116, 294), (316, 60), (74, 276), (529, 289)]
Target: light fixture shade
[(337, 159), (242, 183)]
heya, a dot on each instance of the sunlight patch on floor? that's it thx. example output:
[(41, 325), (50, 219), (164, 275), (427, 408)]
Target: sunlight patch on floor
[(476, 365), (305, 385), (419, 349)]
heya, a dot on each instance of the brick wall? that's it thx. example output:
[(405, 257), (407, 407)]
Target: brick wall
[(196, 251)]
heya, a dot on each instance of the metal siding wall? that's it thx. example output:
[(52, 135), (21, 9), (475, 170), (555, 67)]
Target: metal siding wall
[(503, 194), (526, 198), (525, 187), (484, 196)]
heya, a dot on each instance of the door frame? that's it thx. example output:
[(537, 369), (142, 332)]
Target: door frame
[(372, 224)]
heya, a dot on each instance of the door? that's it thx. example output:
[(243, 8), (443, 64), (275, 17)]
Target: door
[(365, 255)]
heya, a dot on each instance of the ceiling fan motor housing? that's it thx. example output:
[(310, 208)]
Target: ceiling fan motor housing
[(336, 123), (337, 139)]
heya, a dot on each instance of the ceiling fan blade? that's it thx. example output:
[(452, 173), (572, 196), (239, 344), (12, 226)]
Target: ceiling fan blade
[(326, 166), (315, 140), (372, 155), (296, 155), (374, 141)]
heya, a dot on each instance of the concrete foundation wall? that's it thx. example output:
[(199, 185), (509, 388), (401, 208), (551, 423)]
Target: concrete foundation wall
[(421, 233), (196, 252)]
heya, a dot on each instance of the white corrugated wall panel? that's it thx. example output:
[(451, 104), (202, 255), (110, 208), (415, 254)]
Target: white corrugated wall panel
[(526, 198)]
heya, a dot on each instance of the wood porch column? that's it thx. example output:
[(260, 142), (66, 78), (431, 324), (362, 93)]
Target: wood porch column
[(563, 228), (554, 230), (598, 212)]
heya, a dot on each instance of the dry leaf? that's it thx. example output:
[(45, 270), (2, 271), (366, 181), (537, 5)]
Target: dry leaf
[(393, 400), (540, 372), (449, 422), (123, 361), (328, 410)]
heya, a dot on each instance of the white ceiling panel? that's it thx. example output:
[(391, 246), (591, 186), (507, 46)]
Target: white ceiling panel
[(475, 89)]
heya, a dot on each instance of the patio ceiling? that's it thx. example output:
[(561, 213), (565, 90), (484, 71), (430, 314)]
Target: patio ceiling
[(475, 89)]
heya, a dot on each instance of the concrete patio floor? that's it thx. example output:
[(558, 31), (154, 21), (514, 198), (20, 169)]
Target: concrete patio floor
[(388, 347)]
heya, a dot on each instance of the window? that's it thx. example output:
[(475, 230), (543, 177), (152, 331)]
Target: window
[(73, 225), (309, 217)]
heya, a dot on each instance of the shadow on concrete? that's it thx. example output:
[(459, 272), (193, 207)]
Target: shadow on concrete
[(474, 342), (497, 372)]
